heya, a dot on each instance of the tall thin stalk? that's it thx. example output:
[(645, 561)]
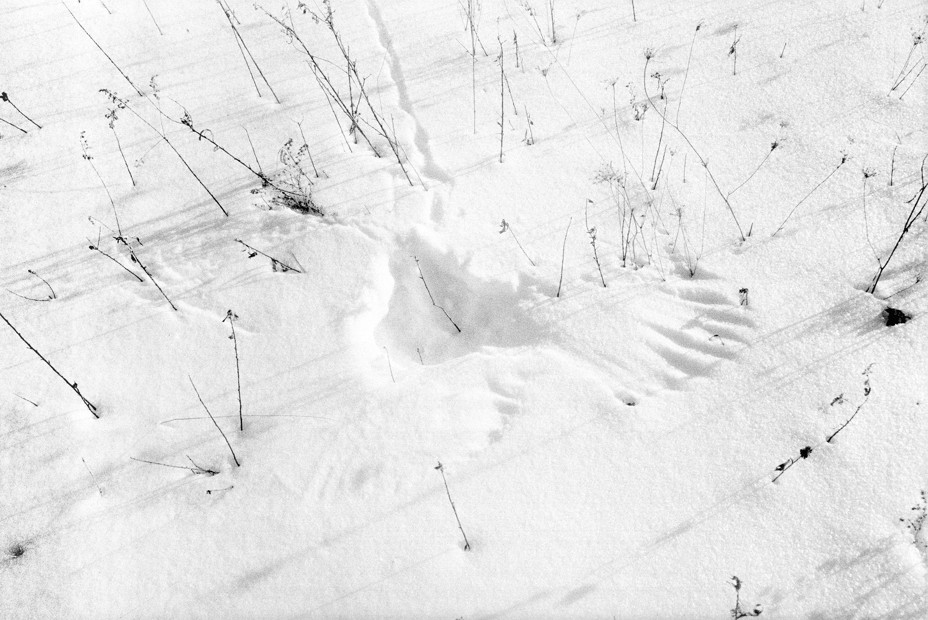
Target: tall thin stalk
[(73, 385), (441, 470), (108, 57), (230, 317), (200, 398), (648, 55)]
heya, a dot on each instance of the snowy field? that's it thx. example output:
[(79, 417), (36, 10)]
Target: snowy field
[(647, 280)]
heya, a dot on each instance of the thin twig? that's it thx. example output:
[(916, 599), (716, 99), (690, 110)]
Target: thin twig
[(25, 399), (231, 316), (441, 470), (274, 262), (121, 72), (135, 259), (5, 97), (234, 458), (90, 406), (92, 477), (129, 271), (563, 253), (432, 299), (152, 17), (705, 164), (812, 191), (196, 469), (3, 120), (390, 364)]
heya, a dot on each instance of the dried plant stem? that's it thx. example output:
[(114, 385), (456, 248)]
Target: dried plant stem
[(702, 160), (123, 155), (322, 79), (507, 227), (441, 470), (219, 428), (892, 166), (126, 269), (284, 266), (473, 59), (3, 120), (502, 102), (161, 135), (389, 364), (94, 41), (913, 81), (914, 213), (90, 406), (812, 191), (196, 469), (137, 261), (6, 98), (231, 316), (751, 176), (308, 151), (686, 73), (243, 45), (431, 298), (563, 254), (154, 21), (592, 233), (89, 159)]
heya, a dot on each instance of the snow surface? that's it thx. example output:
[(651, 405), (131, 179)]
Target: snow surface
[(610, 451)]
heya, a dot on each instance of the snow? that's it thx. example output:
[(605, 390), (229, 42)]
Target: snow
[(610, 451)]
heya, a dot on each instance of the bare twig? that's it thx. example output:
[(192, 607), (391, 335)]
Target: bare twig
[(812, 191), (152, 17), (123, 103), (90, 406), (5, 97), (914, 213), (276, 265), (126, 269), (230, 317), (389, 364), (94, 41), (92, 477), (504, 227), (592, 233), (563, 253), (866, 375), (234, 458), (648, 55), (441, 470), (33, 403), (3, 120), (196, 469), (432, 299)]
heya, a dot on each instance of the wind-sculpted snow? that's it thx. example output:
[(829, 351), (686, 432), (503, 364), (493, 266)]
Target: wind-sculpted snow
[(521, 263)]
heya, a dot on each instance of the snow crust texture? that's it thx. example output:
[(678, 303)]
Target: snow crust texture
[(612, 265)]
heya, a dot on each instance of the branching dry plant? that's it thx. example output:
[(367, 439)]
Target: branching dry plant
[(918, 201), (591, 232), (123, 104), (648, 55)]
